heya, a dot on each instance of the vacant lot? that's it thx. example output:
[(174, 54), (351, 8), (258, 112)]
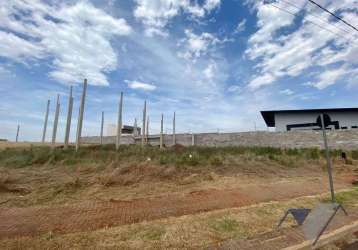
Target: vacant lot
[(135, 198)]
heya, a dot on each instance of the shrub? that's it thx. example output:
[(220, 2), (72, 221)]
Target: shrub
[(216, 161), (313, 153), (355, 154)]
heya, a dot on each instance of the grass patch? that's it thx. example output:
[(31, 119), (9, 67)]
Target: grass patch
[(152, 233), (227, 227), (346, 198), (354, 154), (194, 156)]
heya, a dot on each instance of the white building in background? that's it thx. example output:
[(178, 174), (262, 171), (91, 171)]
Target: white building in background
[(112, 130), (308, 119)]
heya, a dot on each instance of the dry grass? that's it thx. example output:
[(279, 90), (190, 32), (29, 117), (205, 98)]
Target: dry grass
[(186, 232), (49, 177), (37, 176)]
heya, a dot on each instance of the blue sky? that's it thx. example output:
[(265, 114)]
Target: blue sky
[(215, 63)]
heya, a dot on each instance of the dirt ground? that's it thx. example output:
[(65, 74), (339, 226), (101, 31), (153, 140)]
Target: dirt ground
[(95, 215), (147, 206)]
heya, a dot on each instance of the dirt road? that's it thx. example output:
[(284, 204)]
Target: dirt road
[(90, 216)]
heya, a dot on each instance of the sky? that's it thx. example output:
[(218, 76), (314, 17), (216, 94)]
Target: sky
[(215, 63)]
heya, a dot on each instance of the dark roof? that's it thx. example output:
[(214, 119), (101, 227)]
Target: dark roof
[(269, 115)]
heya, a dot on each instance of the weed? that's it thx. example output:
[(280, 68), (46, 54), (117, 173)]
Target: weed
[(355, 154), (313, 153), (216, 161), (152, 233), (346, 198), (191, 159), (226, 226), (19, 160), (185, 157)]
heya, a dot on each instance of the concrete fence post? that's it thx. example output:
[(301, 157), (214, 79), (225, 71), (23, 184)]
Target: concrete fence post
[(192, 139), (174, 141), (101, 134), (119, 122), (80, 115), (161, 132), (17, 133), (69, 118), (143, 125), (45, 123), (135, 128), (55, 122), (147, 131)]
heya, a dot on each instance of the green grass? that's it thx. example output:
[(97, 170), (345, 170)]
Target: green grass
[(346, 198), (188, 156), (224, 225), (354, 154), (152, 233), (227, 227)]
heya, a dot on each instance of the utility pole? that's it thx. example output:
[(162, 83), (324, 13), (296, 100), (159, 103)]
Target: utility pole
[(174, 141), (45, 124), (17, 133), (80, 116), (102, 122), (69, 118), (161, 132), (119, 122), (144, 118), (55, 122), (328, 158)]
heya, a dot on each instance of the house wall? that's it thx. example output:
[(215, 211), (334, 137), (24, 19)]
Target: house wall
[(346, 119)]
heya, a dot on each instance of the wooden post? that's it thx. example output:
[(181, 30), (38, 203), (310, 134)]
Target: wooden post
[(147, 131), (174, 141), (119, 122), (144, 118), (55, 122), (161, 133), (80, 116), (69, 118), (17, 133), (102, 123), (45, 123)]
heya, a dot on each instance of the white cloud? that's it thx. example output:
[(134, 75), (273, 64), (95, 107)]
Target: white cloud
[(140, 85), (234, 88), (197, 45), (286, 92), (241, 26), (280, 55), (156, 14), (16, 48), (76, 38), (211, 4), (210, 71), (261, 80), (330, 77), (155, 31)]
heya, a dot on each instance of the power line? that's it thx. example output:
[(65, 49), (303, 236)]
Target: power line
[(316, 16), (337, 17), (318, 25)]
